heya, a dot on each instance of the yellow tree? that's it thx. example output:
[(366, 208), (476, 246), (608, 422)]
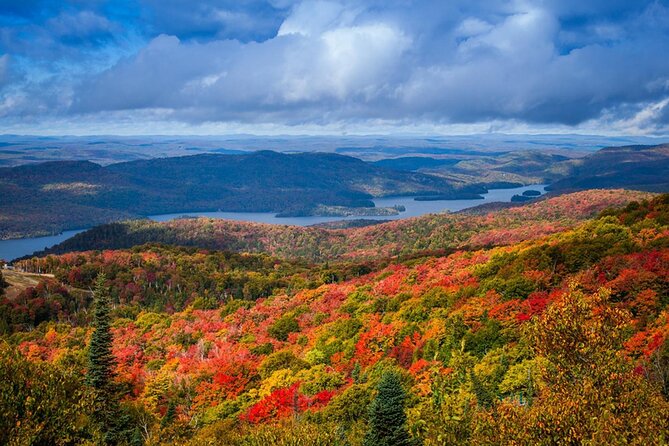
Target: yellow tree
[(590, 393)]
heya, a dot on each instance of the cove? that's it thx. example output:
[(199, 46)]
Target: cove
[(15, 248)]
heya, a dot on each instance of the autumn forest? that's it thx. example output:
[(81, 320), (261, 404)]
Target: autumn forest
[(545, 323), (334, 223)]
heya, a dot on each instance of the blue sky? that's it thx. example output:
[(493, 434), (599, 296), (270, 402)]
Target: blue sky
[(331, 67)]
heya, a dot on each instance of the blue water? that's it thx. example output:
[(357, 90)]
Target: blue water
[(413, 209), (12, 249)]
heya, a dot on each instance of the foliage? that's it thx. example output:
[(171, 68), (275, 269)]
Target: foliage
[(590, 394), (387, 420), (282, 327), (41, 403), (402, 237), (557, 339)]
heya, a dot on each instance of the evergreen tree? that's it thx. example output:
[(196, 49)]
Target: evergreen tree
[(100, 358), (387, 421), (101, 365)]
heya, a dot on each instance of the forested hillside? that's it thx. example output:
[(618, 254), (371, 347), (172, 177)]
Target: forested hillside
[(639, 167), (560, 338), (46, 198), (50, 197), (432, 232), (631, 167)]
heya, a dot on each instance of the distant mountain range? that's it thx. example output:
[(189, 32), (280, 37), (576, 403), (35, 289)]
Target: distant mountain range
[(45, 198), (25, 149), (52, 196), (631, 167)]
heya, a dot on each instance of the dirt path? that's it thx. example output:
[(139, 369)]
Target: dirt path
[(19, 281)]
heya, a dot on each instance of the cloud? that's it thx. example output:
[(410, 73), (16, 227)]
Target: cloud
[(204, 20), (297, 63), (327, 64), (83, 27)]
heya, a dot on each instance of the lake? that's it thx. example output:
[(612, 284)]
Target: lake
[(12, 249)]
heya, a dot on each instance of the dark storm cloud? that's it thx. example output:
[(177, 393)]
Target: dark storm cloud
[(314, 62)]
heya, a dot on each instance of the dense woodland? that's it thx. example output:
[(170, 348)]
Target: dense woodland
[(528, 337), (47, 198), (53, 196), (472, 228)]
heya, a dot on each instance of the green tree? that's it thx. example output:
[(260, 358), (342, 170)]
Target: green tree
[(100, 357), (41, 403), (282, 327), (101, 365), (387, 420)]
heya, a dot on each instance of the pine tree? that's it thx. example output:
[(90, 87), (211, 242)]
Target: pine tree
[(100, 357), (101, 365), (387, 421)]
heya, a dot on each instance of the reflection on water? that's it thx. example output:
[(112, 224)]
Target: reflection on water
[(12, 249)]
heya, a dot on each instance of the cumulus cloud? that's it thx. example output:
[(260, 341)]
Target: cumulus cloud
[(563, 63), (333, 60), (83, 27)]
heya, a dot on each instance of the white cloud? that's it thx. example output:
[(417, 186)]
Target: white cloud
[(379, 64)]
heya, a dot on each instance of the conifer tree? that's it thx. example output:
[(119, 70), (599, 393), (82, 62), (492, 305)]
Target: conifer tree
[(100, 358), (387, 420), (101, 364)]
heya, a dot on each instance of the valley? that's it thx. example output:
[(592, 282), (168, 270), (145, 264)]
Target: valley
[(41, 199), (334, 223), (14, 248), (265, 334)]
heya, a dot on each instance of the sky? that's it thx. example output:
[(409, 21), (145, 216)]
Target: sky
[(334, 67)]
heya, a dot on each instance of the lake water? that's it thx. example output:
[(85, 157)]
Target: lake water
[(12, 249)]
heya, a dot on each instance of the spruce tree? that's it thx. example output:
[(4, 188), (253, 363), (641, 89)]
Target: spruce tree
[(101, 365), (100, 357), (387, 421)]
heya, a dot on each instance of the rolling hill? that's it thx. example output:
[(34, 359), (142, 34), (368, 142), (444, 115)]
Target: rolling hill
[(631, 167), (640, 167), (50, 197), (406, 236), (560, 338)]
